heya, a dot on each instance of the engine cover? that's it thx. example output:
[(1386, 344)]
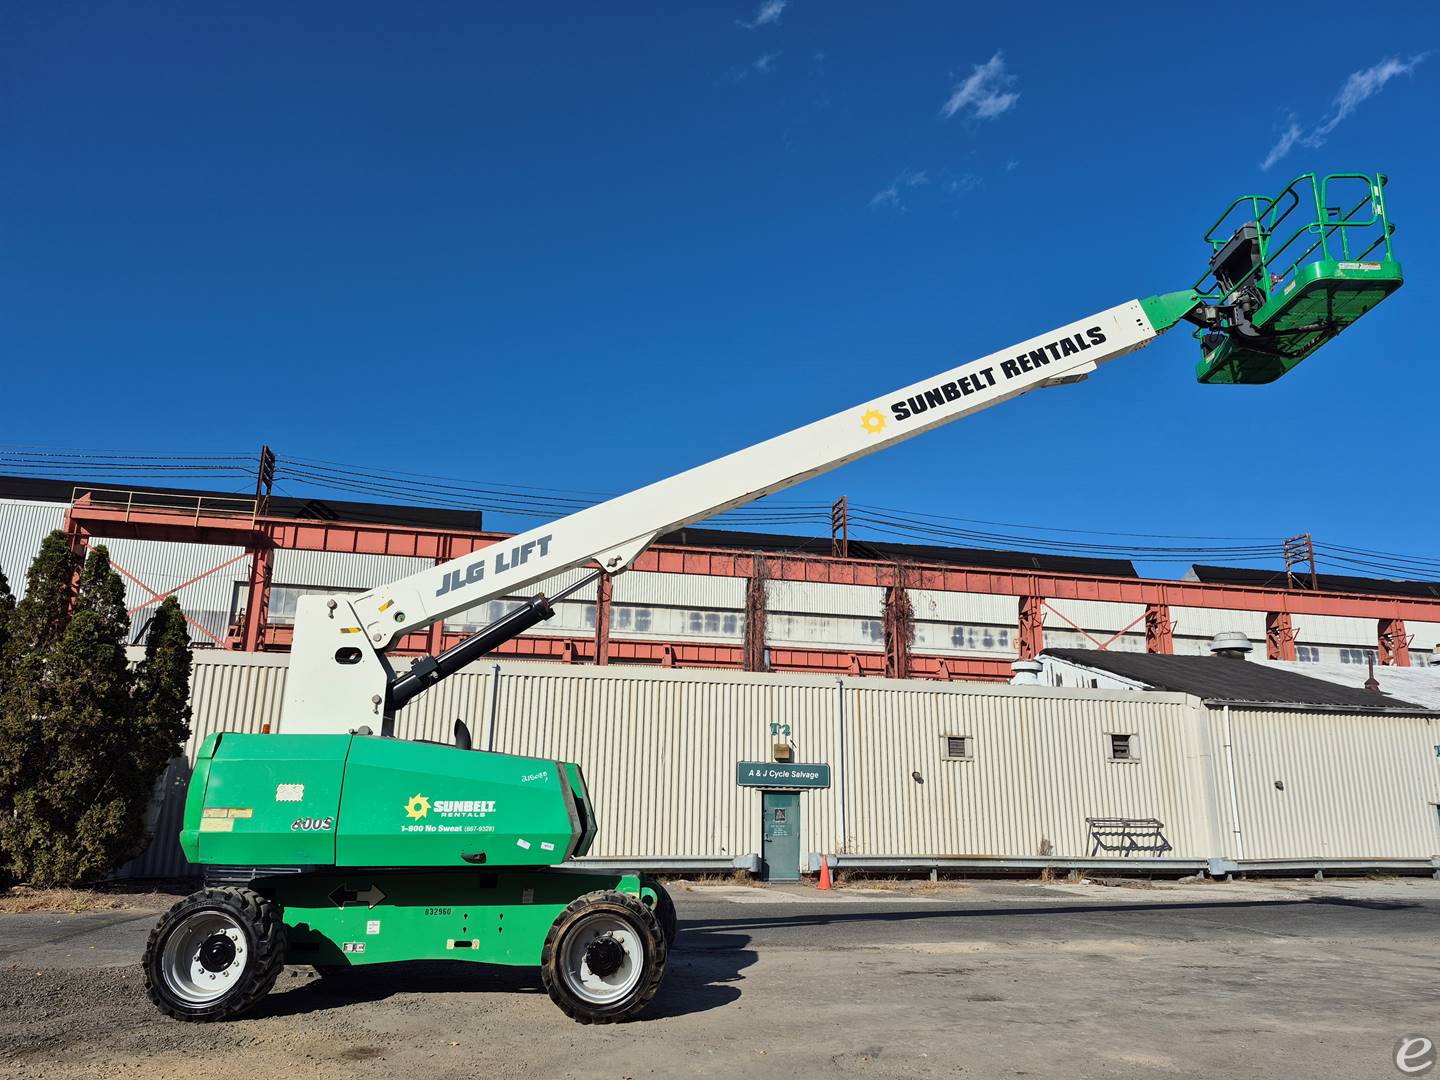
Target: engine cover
[(361, 800)]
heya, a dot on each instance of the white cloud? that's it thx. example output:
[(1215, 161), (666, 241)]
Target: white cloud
[(1288, 138), (766, 64), (890, 196), (768, 12), (985, 92), (1359, 87), (1362, 85), (966, 182)]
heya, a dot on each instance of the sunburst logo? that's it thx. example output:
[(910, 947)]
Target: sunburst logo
[(873, 422), (417, 807)]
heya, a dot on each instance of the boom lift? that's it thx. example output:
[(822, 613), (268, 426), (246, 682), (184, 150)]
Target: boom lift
[(332, 843)]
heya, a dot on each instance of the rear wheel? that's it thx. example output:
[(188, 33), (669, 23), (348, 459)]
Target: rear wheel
[(214, 954), (603, 958)]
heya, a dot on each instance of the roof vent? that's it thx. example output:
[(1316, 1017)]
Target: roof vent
[(1027, 673), (1231, 644)]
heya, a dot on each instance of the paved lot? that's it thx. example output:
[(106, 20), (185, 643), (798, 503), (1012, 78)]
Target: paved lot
[(988, 980)]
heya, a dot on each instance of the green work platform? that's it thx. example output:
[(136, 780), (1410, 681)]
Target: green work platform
[(1292, 274)]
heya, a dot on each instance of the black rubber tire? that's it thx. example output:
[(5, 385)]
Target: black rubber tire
[(664, 911), (260, 921), (633, 910)]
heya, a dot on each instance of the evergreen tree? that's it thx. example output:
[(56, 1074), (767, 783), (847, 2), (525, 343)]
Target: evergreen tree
[(7, 609), (163, 690), (102, 592), (83, 738), (39, 619), (32, 631), (74, 820)]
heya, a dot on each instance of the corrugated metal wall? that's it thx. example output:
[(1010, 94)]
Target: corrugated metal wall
[(342, 570), (1334, 630), (939, 606), (811, 597), (1423, 635), (1353, 787), (1202, 624), (23, 525), (207, 593), (679, 590), (1039, 767), (659, 750)]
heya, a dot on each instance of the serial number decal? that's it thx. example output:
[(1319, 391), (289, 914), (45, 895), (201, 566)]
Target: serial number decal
[(312, 824), (437, 911)]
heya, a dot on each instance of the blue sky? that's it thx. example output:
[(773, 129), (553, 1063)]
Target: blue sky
[(586, 246)]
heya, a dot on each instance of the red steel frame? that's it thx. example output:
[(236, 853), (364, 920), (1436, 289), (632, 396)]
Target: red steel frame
[(261, 536)]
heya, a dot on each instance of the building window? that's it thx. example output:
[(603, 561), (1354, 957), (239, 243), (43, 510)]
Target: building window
[(624, 618), (281, 610), (1307, 654), (1358, 656), (705, 623), (957, 747), (1122, 748), (980, 637)]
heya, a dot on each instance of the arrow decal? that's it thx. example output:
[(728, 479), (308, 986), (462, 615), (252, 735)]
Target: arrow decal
[(370, 897)]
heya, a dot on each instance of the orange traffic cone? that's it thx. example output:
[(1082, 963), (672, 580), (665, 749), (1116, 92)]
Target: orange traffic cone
[(824, 885)]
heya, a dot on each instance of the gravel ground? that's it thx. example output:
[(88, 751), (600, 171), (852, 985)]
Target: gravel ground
[(993, 980)]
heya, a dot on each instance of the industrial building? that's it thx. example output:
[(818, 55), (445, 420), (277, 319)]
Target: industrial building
[(713, 770), (708, 598), (854, 696)]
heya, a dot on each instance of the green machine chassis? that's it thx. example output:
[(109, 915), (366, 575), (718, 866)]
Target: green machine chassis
[(348, 850)]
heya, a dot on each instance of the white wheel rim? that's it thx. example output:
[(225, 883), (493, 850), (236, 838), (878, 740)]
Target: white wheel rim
[(575, 970), (189, 973)]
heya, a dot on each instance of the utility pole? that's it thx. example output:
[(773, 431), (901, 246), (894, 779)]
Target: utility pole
[(264, 481), (1299, 550), (840, 529)]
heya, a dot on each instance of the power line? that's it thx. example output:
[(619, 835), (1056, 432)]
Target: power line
[(531, 501)]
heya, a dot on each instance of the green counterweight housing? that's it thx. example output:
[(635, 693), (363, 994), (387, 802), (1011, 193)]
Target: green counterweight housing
[(309, 801)]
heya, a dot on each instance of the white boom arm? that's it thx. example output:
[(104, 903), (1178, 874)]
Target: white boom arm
[(338, 673)]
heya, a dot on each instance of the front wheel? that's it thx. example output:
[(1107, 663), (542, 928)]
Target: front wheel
[(604, 958), (214, 954)]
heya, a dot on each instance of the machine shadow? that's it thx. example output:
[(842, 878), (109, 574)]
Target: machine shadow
[(703, 928), (700, 975)]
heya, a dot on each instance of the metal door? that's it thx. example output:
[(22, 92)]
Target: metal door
[(780, 835)]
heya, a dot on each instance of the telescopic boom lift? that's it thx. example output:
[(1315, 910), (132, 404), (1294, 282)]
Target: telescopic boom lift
[(333, 844)]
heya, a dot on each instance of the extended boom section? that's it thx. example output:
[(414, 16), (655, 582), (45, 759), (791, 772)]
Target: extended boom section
[(339, 679)]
